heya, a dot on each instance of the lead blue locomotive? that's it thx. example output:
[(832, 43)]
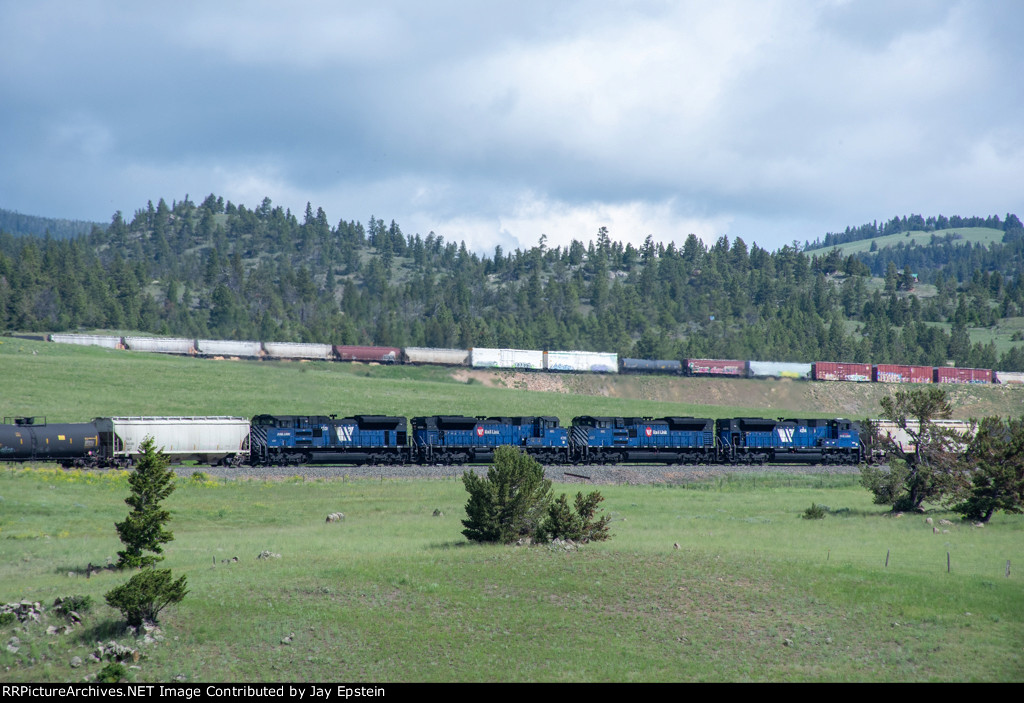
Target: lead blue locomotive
[(752, 440), (324, 439)]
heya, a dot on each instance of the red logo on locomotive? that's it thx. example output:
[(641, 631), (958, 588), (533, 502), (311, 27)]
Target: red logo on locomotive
[(479, 431), (649, 431)]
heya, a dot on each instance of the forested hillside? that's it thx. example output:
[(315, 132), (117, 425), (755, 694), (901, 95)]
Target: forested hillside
[(17, 223), (222, 270)]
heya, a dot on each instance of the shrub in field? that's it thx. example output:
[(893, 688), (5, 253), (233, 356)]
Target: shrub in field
[(578, 525), (145, 527), (510, 502), (815, 512), (146, 594), (112, 673), (77, 604)]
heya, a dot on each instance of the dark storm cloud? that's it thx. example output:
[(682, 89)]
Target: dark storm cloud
[(496, 122)]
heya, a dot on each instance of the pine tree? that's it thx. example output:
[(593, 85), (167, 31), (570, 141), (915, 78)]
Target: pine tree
[(145, 527), (510, 502), (995, 458)]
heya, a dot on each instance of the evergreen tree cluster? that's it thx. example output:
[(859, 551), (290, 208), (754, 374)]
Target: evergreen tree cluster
[(975, 472), (220, 270)]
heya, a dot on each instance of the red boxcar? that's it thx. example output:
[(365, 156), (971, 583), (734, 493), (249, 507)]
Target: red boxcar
[(894, 373), (716, 367), (950, 374), (833, 371), (381, 355)]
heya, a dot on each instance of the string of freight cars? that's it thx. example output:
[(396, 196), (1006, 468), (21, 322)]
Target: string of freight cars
[(555, 361)]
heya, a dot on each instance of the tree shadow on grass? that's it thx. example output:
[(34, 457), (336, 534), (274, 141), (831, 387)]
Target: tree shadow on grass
[(852, 512), (449, 545), (102, 631), (87, 571)]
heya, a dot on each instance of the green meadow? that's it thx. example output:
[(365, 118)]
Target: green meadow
[(394, 593)]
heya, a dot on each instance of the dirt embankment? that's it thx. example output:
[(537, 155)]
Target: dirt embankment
[(784, 396)]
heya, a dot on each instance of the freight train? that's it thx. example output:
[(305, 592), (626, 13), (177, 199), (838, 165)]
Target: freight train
[(289, 440), (553, 361)]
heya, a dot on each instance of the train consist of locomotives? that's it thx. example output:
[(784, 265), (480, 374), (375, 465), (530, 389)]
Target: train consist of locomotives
[(291, 440)]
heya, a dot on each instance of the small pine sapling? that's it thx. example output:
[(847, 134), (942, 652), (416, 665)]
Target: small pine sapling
[(145, 527)]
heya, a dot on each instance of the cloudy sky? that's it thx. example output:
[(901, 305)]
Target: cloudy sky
[(495, 122)]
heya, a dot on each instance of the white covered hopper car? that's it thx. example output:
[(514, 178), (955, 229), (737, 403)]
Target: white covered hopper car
[(207, 440)]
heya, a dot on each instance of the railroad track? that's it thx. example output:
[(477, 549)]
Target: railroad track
[(584, 474)]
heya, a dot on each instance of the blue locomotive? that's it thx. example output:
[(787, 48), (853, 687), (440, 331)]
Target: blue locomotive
[(456, 439), (754, 440), (325, 439), (670, 440)]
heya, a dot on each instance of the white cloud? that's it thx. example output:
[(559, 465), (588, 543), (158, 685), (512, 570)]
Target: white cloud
[(531, 215)]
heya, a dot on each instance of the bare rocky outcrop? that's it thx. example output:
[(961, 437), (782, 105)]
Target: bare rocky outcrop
[(24, 611), (115, 652)]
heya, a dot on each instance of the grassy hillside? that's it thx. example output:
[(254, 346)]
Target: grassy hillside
[(975, 235), (71, 384)]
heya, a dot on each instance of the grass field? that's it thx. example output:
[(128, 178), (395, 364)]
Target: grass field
[(395, 594)]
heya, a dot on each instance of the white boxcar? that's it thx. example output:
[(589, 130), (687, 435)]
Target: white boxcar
[(210, 440), (506, 359), (163, 345), (596, 362), (430, 355), (95, 340), (1015, 378), (777, 369), (227, 347), (294, 350)]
